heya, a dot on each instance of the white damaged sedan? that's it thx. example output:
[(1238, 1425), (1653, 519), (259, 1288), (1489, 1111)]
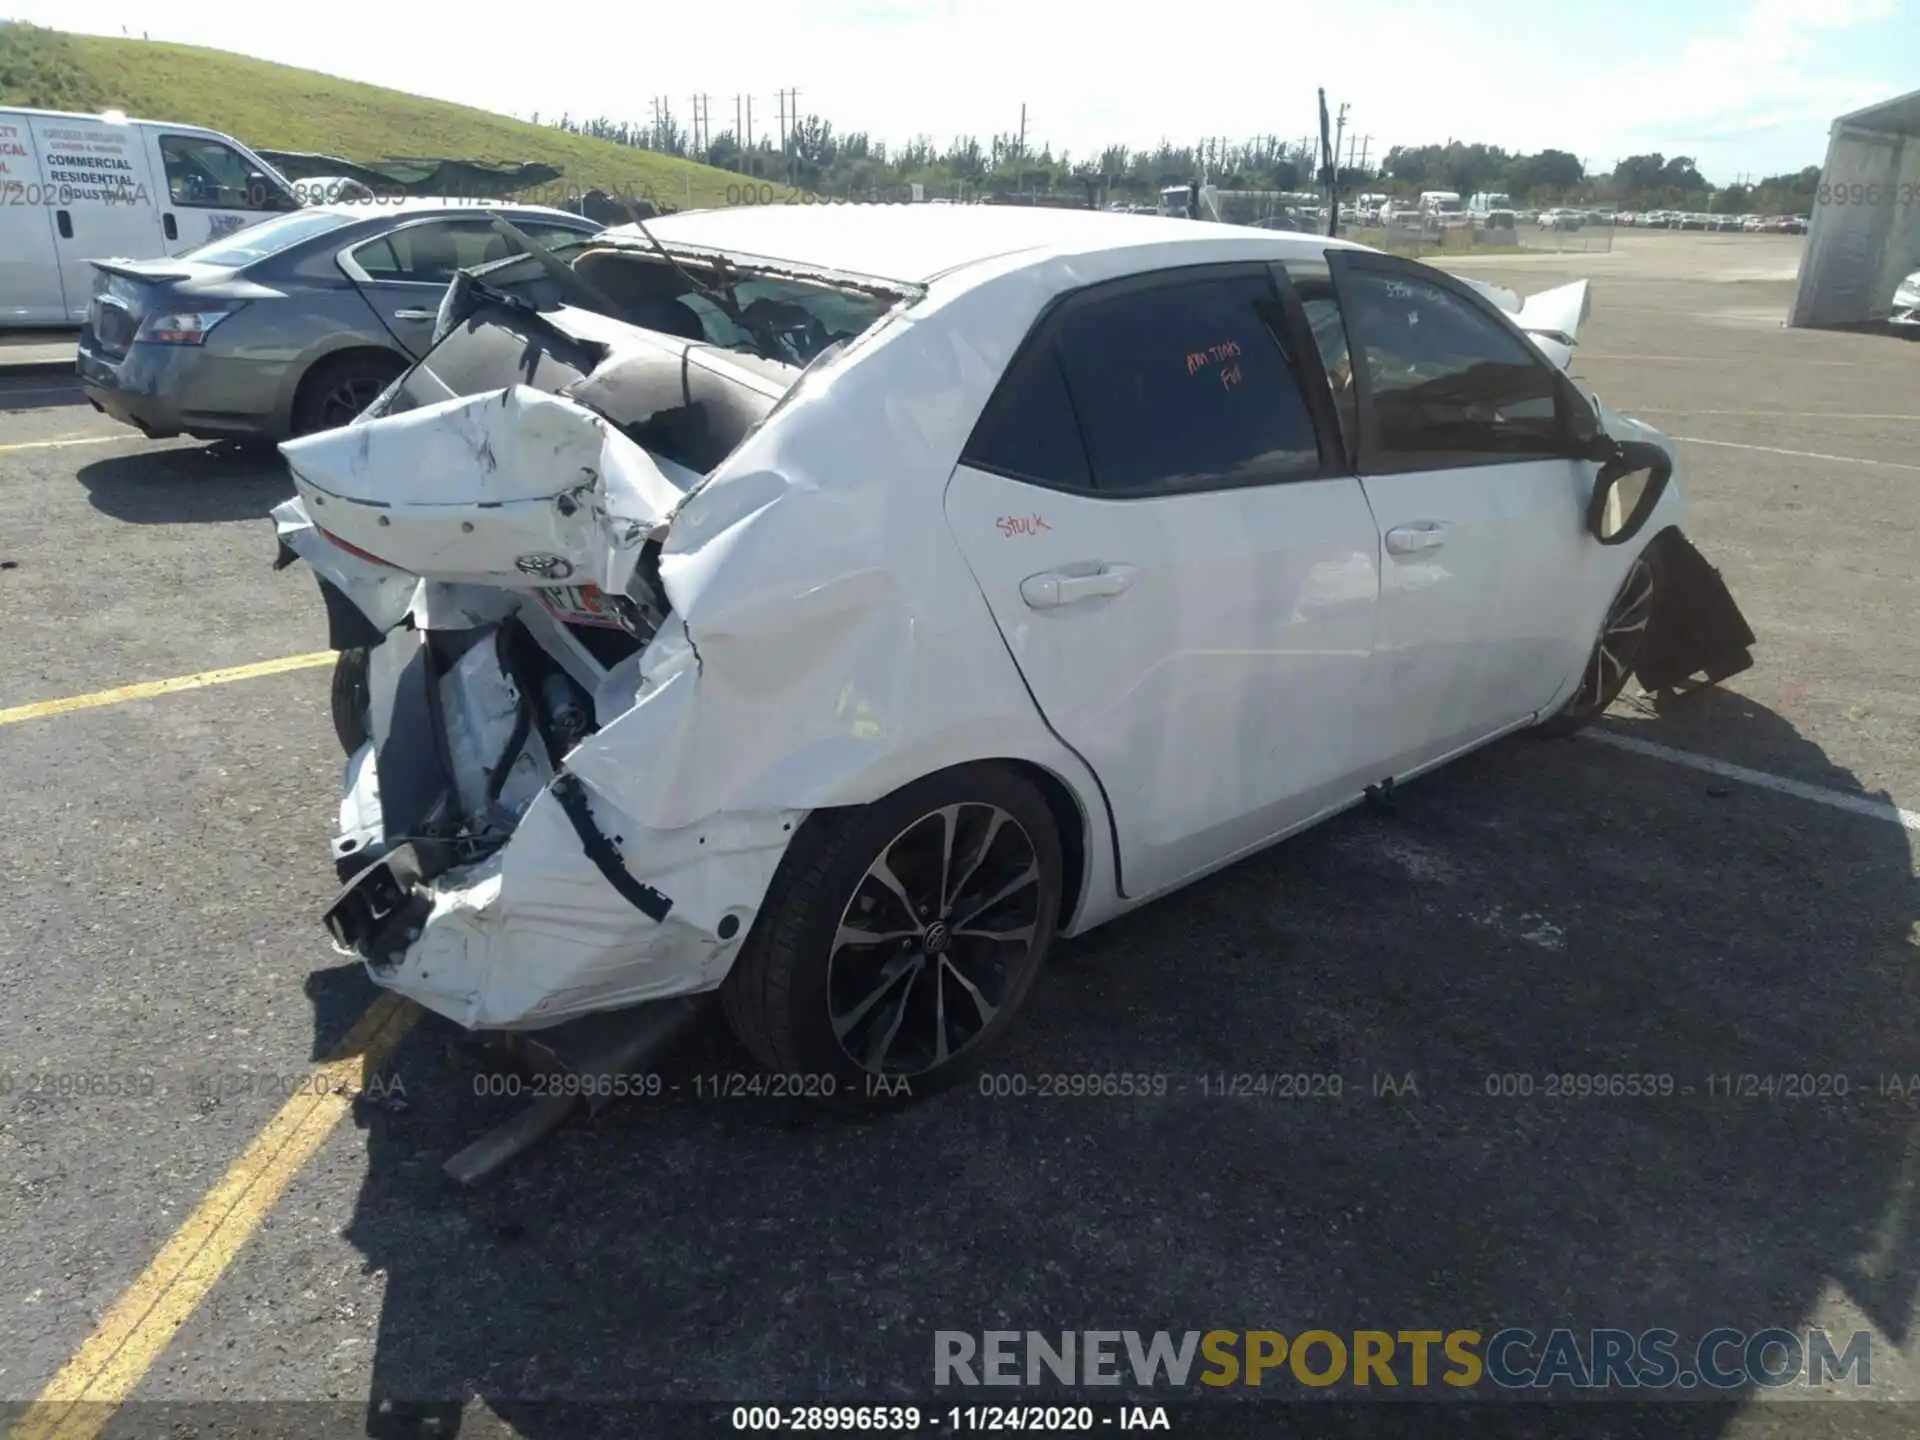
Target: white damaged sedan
[(832, 606)]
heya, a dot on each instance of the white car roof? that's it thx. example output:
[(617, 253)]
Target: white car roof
[(915, 243)]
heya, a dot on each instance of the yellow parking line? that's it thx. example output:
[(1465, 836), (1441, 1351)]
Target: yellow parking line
[(79, 1401), (146, 689), (69, 440)]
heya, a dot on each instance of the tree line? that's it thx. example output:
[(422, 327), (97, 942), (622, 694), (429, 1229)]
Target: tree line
[(812, 155)]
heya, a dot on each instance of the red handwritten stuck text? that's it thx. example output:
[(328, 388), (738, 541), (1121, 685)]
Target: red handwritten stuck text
[(1011, 525)]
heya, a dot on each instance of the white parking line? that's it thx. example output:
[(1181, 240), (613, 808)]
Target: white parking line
[(69, 440), (1779, 784), (1799, 454)]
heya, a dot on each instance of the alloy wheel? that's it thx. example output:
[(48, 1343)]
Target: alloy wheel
[(347, 399), (1621, 638), (936, 936)]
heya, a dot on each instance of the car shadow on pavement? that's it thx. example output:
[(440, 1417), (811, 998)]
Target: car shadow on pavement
[(189, 485), (1538, 910)]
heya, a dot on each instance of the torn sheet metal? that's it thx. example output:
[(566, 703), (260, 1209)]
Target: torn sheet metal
[(513, 488), (535, 934)]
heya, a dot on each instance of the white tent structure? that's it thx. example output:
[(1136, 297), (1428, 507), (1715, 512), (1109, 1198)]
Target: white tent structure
[(1865, 232)]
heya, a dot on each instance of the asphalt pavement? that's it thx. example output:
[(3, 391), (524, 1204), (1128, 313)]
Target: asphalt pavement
[(1539, 909)]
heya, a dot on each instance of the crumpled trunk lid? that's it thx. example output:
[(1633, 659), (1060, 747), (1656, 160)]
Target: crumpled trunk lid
[(513, 488)]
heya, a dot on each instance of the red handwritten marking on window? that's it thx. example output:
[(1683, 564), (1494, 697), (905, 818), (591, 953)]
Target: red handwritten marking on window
[(1198, 360), (1010, 525), (1230, 376)]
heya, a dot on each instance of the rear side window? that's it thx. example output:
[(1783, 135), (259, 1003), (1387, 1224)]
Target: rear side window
[(1029, 431), (430, 252), (1183, 386), (1448, 383)]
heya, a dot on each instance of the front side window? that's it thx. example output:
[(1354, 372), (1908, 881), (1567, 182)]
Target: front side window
[(1183, 386), (206, 174), (1447, 384)]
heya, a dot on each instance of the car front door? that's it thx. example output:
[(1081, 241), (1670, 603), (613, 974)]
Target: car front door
[(210, 189), (1463, 440), (1154, 508)]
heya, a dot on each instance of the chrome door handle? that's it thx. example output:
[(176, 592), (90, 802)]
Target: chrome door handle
[(1053, 588), (427, 315), (1412, 539)]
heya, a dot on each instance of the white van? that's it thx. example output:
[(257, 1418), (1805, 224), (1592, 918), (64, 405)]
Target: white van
[(75, 188)]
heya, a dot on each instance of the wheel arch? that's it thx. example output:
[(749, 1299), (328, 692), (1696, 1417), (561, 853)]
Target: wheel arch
[(318, 365), (1070, 820), (1081, 843)]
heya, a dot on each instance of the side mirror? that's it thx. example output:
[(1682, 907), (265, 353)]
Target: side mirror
[(1629, 485), (263, 194)]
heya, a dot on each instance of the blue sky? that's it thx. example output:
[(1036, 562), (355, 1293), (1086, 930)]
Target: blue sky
[(1742, 85)]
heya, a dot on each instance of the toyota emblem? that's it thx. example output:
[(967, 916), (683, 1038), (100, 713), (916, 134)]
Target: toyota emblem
[(547, 567)]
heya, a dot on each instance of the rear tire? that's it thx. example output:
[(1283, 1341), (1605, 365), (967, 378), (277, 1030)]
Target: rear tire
[(898, 940), (350, 699), (1615, 652), (336, 390)]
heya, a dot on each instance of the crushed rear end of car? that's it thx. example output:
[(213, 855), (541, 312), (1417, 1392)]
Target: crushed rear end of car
[(530, 828)]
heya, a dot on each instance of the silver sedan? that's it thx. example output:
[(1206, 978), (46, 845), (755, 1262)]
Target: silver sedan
[(292, 325)]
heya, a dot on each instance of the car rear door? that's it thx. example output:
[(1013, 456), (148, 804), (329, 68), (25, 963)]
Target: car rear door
[(1464, 448), (403, 273), (95, 174), (1154, 508), (30, 288)]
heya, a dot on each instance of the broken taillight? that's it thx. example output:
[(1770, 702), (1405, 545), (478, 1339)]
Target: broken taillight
[(354, 550)]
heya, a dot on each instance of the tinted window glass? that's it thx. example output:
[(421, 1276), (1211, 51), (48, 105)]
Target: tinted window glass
[(1029, 430), (1447, 380), (1184, 385), (207, 173), (432, 252)]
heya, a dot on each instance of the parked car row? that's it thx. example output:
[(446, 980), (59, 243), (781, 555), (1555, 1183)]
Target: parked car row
[(1700, 220)]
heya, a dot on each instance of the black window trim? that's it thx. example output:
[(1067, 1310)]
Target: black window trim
[(1286, 323), (1319, 384), (1367, 457)]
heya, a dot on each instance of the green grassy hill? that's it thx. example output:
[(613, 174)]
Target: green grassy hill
[(282, 108)]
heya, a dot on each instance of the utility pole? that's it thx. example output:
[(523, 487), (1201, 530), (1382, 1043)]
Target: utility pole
[(1022, 150), (789, 116), (738, 130), (1366, 149), (749, 122)]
